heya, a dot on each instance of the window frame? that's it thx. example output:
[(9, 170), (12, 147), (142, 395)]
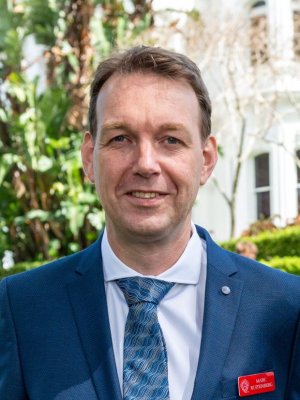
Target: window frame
[(262, 189)]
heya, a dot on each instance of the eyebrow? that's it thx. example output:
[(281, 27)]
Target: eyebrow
[(168, 126), (113, 126)]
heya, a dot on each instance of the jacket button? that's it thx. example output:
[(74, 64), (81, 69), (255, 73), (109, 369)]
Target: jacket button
[(225, 290)]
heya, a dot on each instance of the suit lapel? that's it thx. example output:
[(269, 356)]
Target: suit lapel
[(219, 320), (88, 301)]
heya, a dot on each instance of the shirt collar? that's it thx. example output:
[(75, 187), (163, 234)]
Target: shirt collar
[(186, 270)]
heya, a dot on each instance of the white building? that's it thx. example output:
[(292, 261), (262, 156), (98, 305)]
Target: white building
[(249, 54)]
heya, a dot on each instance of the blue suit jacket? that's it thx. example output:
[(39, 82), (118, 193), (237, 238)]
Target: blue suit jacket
[(55, 340)]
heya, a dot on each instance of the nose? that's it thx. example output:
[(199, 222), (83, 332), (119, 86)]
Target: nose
[(146, 162)]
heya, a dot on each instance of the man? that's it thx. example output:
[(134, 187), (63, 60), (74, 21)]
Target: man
[(154, 309)]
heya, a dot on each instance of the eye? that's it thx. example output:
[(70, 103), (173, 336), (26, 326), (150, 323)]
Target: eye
[(119, 138), (172, 140)]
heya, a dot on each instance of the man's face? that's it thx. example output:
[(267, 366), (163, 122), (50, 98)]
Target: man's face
[(148, 160)]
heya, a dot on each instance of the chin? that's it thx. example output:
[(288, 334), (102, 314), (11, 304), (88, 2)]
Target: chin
[(150, 229)]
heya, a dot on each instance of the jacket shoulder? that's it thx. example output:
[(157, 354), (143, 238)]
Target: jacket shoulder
[(56, 272), (255, 275)]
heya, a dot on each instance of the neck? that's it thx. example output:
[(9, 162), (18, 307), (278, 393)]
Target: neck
[(149, 257)]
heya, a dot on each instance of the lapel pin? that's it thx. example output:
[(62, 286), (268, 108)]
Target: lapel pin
[(225, 290), (249, 385)]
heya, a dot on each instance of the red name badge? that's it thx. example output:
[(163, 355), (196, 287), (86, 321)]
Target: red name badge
[(256, 383)]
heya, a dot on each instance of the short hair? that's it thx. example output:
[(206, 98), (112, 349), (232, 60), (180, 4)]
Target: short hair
[(152, 60)]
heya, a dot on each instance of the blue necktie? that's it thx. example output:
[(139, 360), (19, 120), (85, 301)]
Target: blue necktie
[(145, 366)]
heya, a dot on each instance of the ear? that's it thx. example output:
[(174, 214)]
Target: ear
[(87, 150), (210, 157)]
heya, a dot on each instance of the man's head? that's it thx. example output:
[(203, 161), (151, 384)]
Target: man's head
[(149, 147), (152, 60)]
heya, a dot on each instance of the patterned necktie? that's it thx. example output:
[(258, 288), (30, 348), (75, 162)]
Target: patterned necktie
[(145, 372)]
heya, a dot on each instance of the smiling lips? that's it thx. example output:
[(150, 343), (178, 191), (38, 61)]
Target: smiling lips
[(145, 195)]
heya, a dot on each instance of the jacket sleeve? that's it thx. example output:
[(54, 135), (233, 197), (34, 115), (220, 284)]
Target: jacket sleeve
[(11, 379), (293, 392)]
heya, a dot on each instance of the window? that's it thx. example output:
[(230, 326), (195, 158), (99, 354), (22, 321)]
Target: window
[(296, 16), (258, 33), (258, 39), (262, 186), (298, 179)]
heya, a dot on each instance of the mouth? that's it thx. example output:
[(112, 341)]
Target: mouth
[(145, 195), (146, 199)]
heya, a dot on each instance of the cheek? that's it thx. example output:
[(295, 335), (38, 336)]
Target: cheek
[(109, 173), (189, 172)]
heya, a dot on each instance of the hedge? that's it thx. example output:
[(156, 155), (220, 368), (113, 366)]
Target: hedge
[(20, 267), (278, 243), (287, 264)]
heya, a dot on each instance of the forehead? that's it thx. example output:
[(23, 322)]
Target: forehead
[(147, 93)]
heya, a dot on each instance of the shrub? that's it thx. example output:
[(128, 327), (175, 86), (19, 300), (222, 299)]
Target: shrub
[(259, 226), (287, 264), (279, 243), (19, 267)]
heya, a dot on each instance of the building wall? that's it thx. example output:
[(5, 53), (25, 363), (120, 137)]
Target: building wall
[(280, 139)]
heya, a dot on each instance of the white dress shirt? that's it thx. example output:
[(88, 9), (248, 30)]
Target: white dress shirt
[(180, 313)]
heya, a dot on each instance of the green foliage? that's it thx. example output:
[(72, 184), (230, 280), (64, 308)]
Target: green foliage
[(259, 226), (280, 242), (10, 39), (117, 28), (12, 271), (195, 15), (278, 248), (287, 264), (20, 267), (41, 19), (42, 161)]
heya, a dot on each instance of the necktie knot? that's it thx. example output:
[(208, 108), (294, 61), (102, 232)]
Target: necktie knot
[(138, 289)]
